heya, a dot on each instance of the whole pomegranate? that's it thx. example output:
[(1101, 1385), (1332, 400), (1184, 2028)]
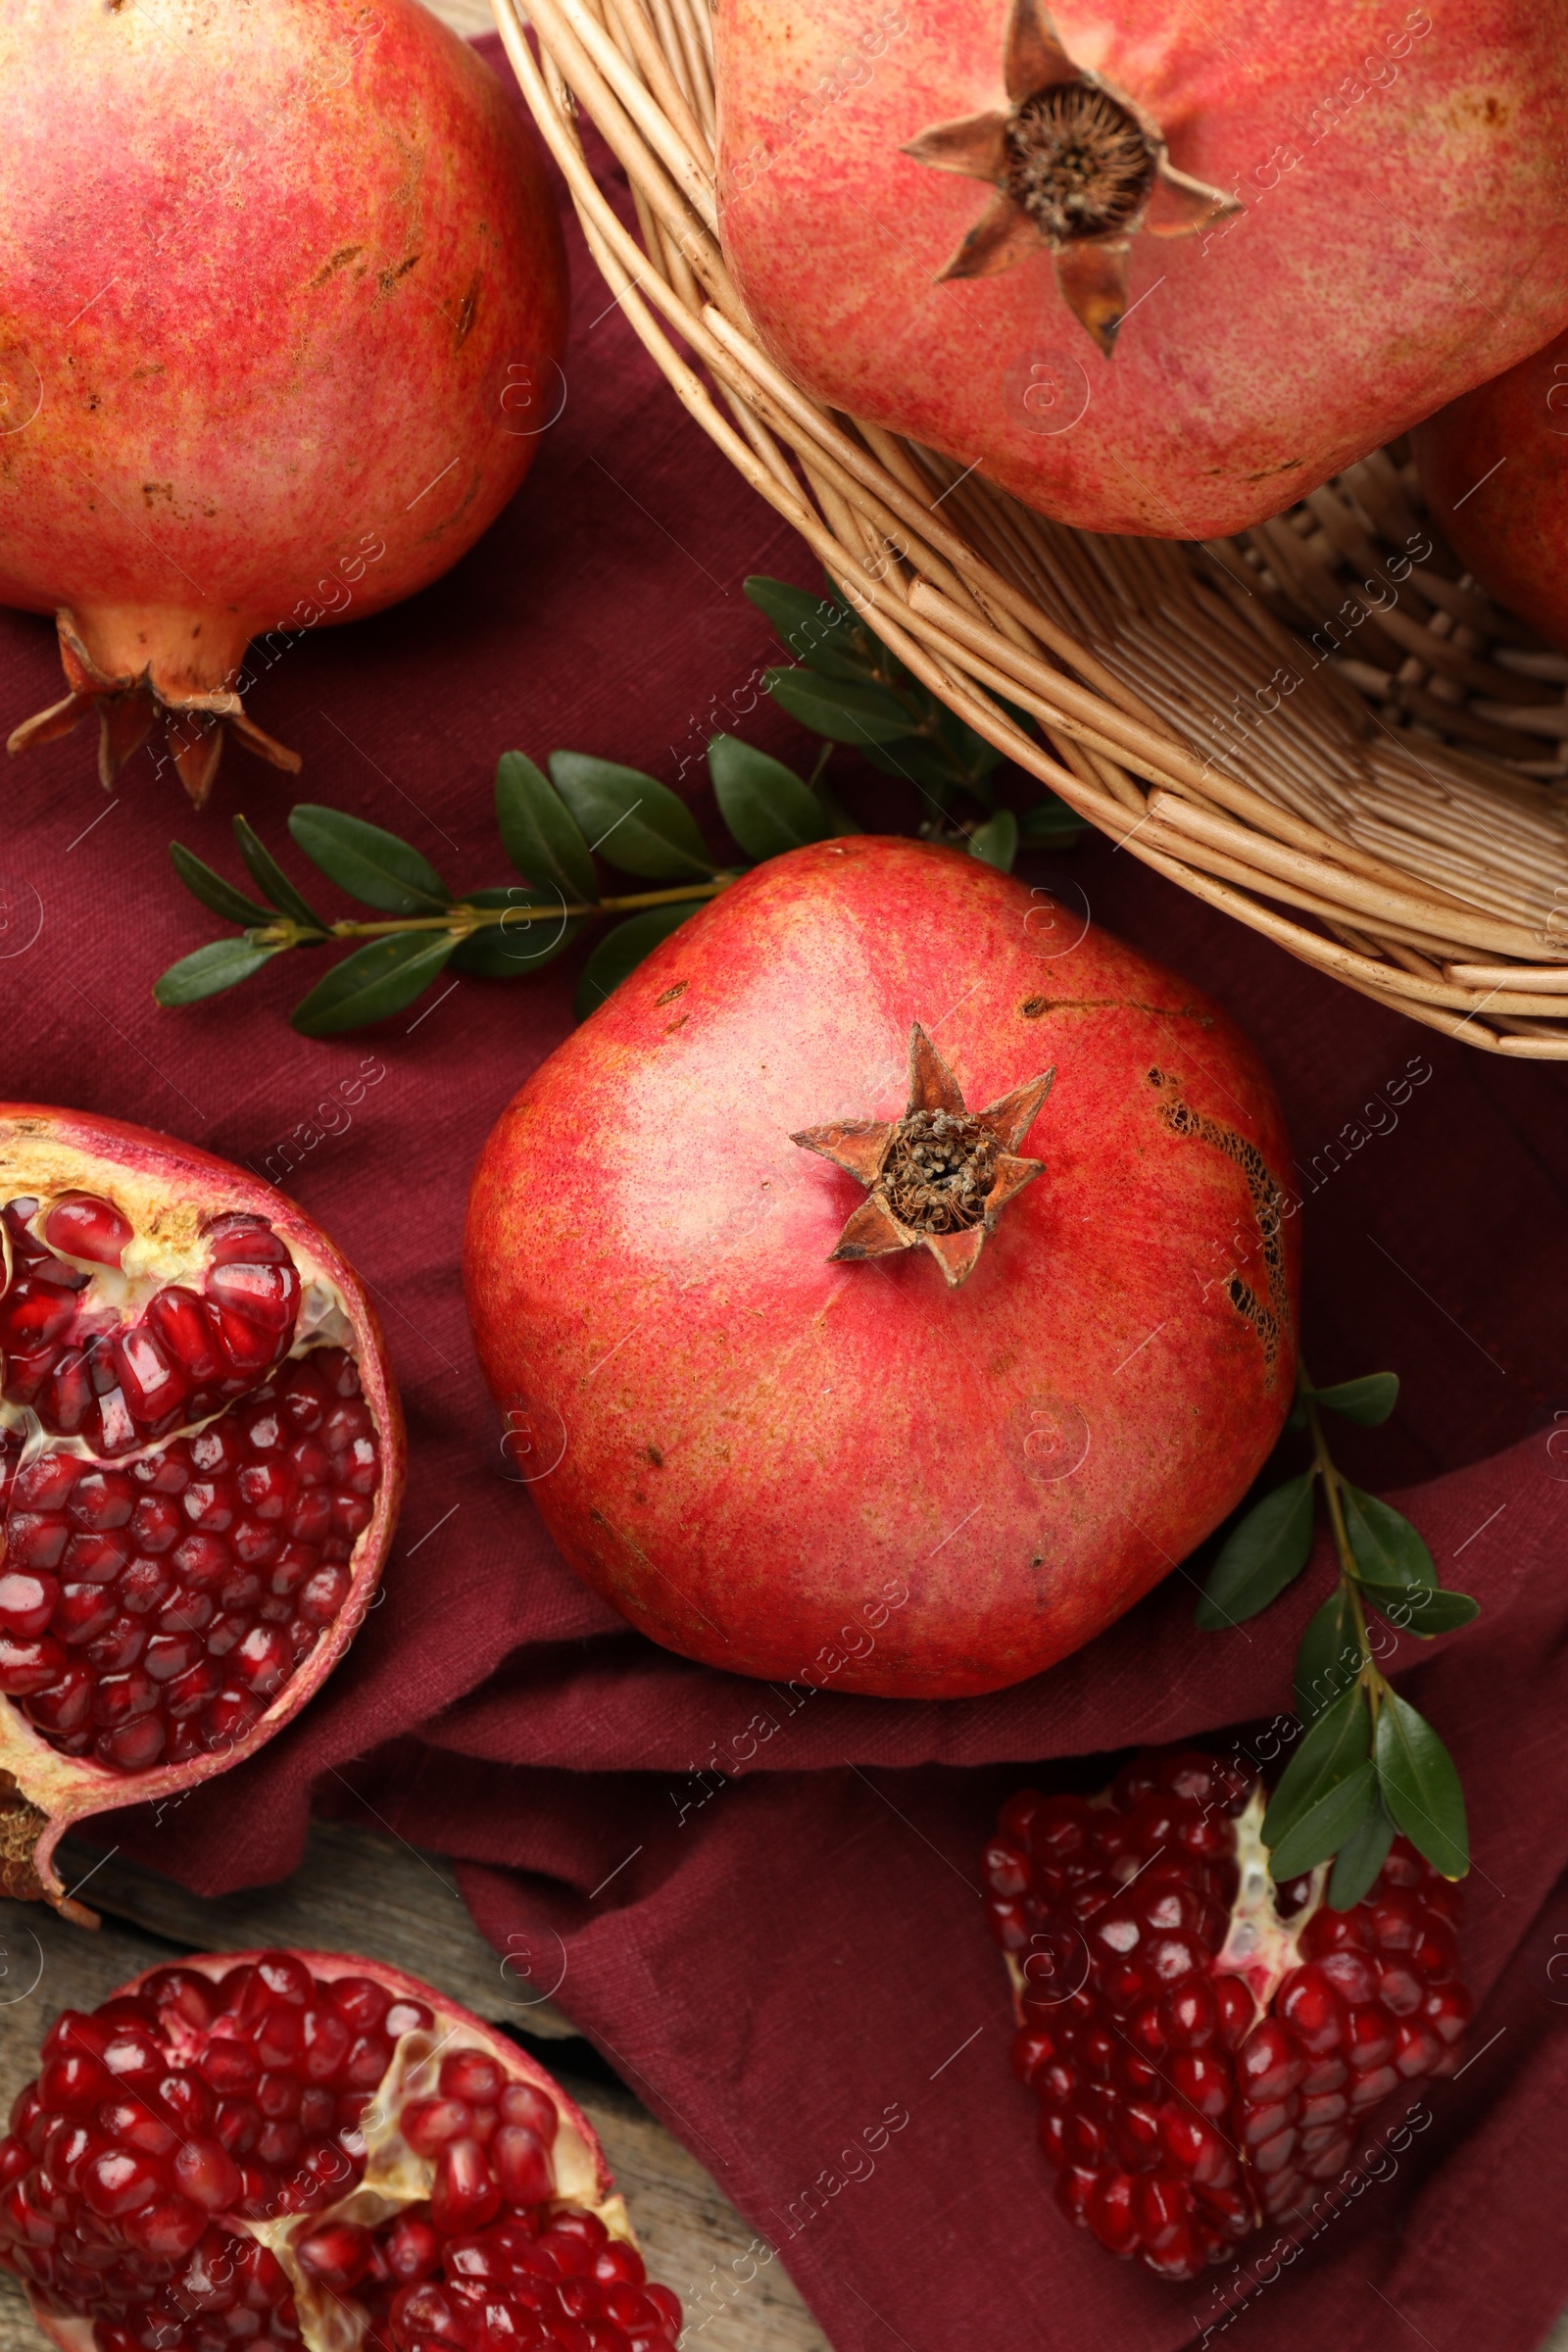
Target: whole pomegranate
[(757, 1418), (201, 1459), (1205, 2047), (1299, 230), (282, 295), (1494, 468), (286, 2148)]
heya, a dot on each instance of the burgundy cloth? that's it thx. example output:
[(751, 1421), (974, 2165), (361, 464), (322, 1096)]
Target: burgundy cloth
[(789, 1962)]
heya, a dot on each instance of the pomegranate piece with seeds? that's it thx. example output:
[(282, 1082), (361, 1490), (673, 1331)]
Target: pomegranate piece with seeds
[(1204, 2047), (200, 1465), (303, 2149)]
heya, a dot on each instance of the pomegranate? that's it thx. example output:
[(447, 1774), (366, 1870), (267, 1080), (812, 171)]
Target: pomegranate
[(1494, 468), (282, 296), (1205, 2047), (1297, 229), (200, 1458), (758, 1419), (283, 2148)]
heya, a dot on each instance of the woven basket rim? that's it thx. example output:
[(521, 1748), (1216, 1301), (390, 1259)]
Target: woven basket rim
[(1382, 846)]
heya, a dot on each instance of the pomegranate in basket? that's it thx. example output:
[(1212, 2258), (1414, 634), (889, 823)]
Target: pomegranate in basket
[(1151, 269), (1494, 468)]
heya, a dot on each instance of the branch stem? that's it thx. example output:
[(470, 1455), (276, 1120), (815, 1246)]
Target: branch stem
[(465, 919), (1349, 1575)]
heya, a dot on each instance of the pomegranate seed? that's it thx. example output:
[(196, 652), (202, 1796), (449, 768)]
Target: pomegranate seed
[(471, 2075), (80, 1225), (413, 2248), (321, 1595), (339, 2256), (102, 1498), (27, 1602), (462, 2195), (264, 1660), (429, 2124), (28, 1666), (34, 1541), (117, 2181), (151, 1385), (360, 2000), (64, 1705), (520, 2162), (527, 2104), (132, 1746)]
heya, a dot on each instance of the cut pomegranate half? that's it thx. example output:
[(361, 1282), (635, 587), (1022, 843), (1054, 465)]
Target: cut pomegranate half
[(286, 2148), (201, 1459), (1205, 2047)]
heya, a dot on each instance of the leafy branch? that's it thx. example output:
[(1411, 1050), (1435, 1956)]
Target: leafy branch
[(554, 827), (1368, 1764), (845, 685)]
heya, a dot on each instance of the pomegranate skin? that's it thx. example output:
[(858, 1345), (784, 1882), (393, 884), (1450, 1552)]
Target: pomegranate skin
[(848, 1474), (1403, 187), (282, 291), (168, 1191), (1494, 468)]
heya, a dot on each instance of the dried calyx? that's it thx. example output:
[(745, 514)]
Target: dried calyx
[(938, 1177), (1078, 169)]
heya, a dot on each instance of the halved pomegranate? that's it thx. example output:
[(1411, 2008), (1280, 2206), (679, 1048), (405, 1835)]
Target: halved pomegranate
[(284, 2148), (1205, 2047), (200, 1458)]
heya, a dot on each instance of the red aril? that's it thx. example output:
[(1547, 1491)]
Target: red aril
[(1495, 469), (1204, 2047), (283, 298), (785, 1444), (1296, 230), (201, 1459), (170, 2218)]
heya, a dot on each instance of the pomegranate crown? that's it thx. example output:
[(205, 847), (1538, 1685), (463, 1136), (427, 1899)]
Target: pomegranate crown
[(1077, 167), (938, 1177)]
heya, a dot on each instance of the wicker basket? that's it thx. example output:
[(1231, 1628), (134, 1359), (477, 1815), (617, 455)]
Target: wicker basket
[(1403, 830)]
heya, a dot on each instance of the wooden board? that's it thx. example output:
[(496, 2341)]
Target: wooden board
[(359, 1892)]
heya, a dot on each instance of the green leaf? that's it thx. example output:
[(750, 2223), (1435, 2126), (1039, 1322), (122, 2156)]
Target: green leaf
[(1051, 824), (1329, 1656), (818, 630), (1360, 1858), (843, 709), (621, 951), (1336, 1746), (265, 873), (637, 825), (213, 890), (376, 981), (540, 834), (764, 804), (371, 865), (1260, 1557), (1385, 1546), (509, 950), (997, 840), (1345, 1807), (1369, 1401), (208, 970), (1421, 1610), (1420, 1786)]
